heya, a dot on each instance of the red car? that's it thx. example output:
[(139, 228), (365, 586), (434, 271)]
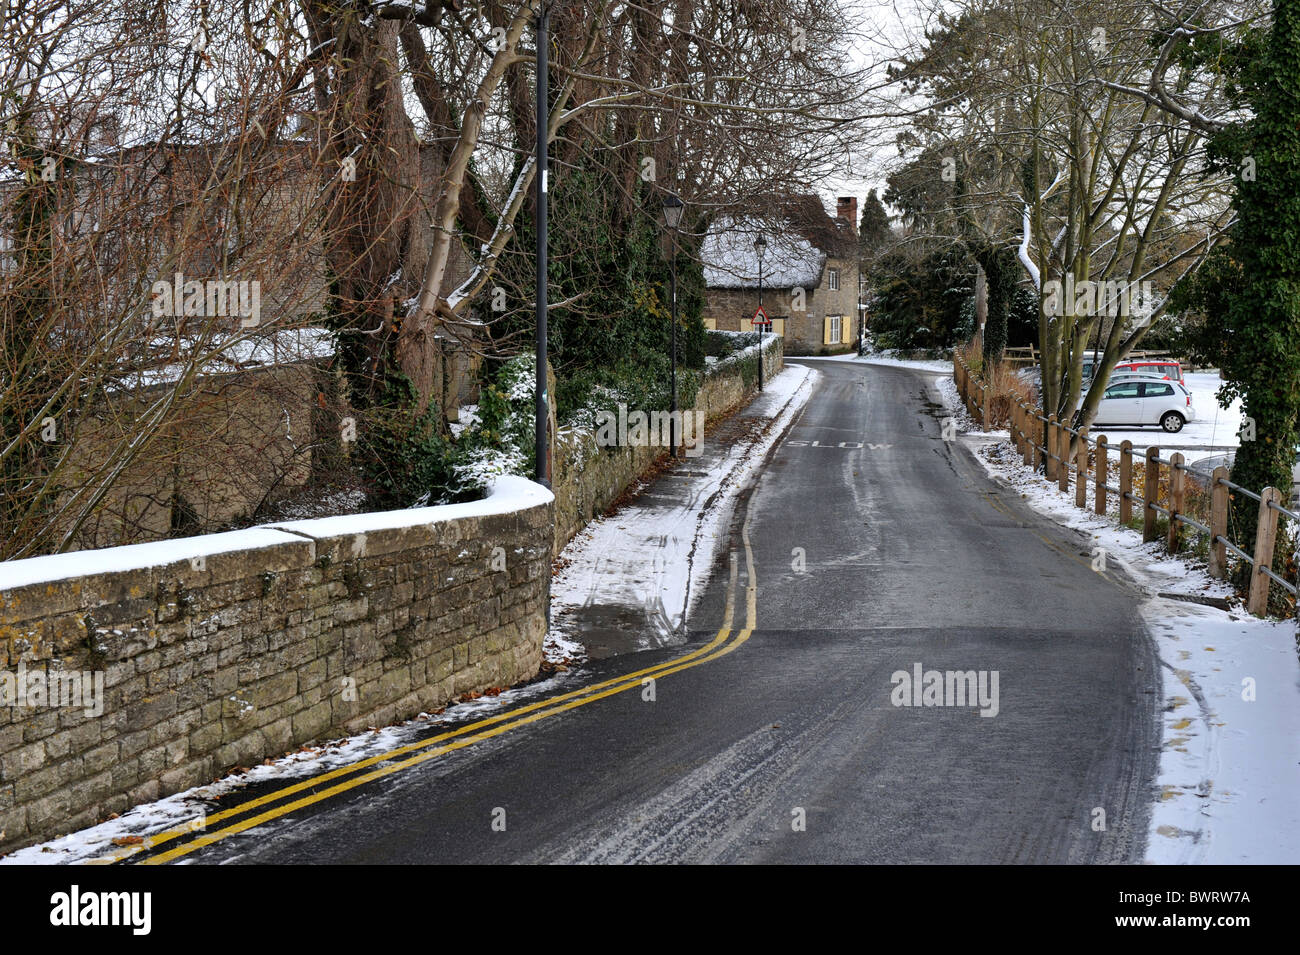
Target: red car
[(1161, 367)]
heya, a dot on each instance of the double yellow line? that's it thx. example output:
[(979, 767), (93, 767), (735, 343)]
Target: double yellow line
[(368, 770)]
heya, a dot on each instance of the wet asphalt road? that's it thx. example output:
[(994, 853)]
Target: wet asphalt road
[(864, 561)]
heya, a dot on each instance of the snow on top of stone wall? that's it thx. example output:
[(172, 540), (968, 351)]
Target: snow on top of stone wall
[(505, 494)]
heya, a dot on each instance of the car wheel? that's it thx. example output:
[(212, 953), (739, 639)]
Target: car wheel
[(1172, 422)]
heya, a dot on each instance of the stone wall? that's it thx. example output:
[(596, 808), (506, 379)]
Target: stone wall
[(224, 650), (230, 443), (233, 444), (587, 478)]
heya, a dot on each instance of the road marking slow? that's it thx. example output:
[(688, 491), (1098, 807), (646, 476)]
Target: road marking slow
[(452, 740)]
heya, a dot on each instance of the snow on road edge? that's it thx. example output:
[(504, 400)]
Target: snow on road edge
[(190, 808), (661, 572)]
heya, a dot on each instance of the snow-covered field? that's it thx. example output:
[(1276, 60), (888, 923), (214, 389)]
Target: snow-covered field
[(1229, 780)]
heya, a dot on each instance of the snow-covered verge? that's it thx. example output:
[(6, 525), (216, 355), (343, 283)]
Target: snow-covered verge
[(650, 560), (1229, 780)]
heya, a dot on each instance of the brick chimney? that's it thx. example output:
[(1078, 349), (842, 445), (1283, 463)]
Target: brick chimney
[(846, 208)]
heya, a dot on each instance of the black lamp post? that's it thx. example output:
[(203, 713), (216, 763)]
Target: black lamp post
[(760, 247), (862, 311), (672, 219), (542, 415)]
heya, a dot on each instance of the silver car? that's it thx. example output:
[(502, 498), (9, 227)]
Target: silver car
[(1146, 400)]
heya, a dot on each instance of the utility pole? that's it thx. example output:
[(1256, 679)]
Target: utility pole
[(672, 409)]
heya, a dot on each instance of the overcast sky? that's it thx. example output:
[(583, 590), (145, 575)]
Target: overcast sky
[(885, 30)]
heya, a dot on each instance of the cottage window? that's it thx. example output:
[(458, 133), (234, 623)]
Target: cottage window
[(834, 280)]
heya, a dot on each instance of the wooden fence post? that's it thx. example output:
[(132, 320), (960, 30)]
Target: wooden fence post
[(1081, 471), (1063, 443), (1174, 539), (1218, 523), (1050, 445), (1044, 436), (1125, 481), (1036, 439), (1031, 426), (1100, 500), (1150, 491), (1265, 535), (986, 408)]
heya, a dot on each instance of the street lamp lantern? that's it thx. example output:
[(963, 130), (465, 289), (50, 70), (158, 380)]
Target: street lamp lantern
[(673, 207)]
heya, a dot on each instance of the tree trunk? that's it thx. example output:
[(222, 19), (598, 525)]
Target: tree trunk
[(372, 153)]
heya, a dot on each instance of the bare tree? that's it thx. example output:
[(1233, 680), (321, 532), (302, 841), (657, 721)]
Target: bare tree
[(365, 164), (150, 197), (1094, 184)]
